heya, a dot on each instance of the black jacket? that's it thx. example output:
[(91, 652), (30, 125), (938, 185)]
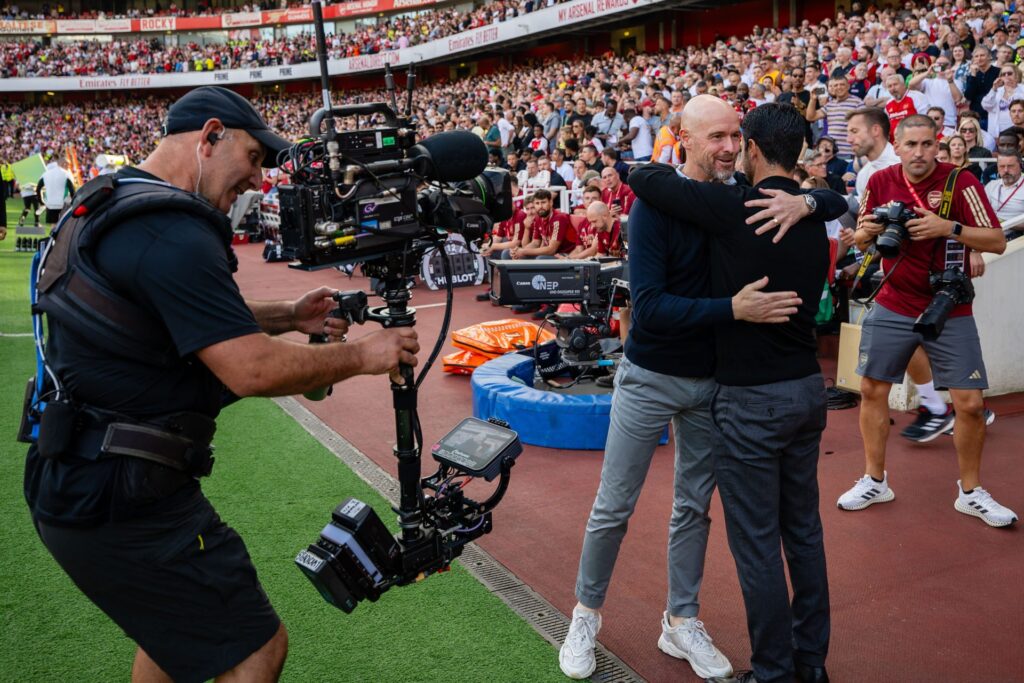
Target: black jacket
[(746, 353)]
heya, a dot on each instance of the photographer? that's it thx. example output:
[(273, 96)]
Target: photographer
[(113, 482), (932, 244)]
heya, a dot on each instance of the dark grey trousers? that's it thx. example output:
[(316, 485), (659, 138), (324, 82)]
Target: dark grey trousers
[(765, 454)]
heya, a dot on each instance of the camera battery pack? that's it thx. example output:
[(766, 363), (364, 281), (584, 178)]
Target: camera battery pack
[(57, 429)]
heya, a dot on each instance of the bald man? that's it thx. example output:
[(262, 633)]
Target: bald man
[(665, 378), (598, 234)]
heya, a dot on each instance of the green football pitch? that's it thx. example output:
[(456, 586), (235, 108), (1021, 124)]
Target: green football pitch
[(276, 485)]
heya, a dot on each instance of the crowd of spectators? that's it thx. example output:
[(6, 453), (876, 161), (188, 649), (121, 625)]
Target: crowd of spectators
[(202, 9), (26, 58), (956, 62)]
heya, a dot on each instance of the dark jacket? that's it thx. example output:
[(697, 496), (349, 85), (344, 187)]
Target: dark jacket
[(747, 353)]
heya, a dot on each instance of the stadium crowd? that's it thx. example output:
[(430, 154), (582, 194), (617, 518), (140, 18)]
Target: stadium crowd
[(954, 62), (33, 58), (203, 9)]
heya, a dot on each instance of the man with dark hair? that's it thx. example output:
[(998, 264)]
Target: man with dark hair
[(769, 410), (834, 112), (934, 244), (1004, 191), (1017, 112), (799, 97), (867, 131), (550, 230), (589, 155)]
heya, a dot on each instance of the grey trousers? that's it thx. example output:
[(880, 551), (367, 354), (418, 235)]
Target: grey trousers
[(643, 404), (766, 441)]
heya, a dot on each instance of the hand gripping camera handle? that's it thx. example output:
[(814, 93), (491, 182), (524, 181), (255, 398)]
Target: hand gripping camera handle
[(322, 392)]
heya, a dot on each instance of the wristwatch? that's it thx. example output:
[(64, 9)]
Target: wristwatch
[(811, 203), (957, 229)]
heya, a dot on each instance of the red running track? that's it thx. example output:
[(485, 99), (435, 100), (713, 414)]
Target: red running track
[(919, 591)]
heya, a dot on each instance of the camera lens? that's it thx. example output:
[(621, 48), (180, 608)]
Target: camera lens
[(888, 243)]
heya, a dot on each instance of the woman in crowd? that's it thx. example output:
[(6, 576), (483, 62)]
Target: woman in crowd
[(1006, 89), (835, 168), (974, 137), (961, 67), (959, 154)]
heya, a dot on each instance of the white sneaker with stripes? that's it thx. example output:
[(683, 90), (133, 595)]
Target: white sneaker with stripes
[(866, 491), (980, 503)]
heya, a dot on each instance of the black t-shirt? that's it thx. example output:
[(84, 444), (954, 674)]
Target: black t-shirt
[(176, 267), (799, 100)]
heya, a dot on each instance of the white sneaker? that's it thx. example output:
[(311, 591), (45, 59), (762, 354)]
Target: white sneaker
[(576, 658), (866, 491), (690, 641), (980, 503)]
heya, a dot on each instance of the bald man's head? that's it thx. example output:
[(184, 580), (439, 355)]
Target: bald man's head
[(710, 132), (599, 215)]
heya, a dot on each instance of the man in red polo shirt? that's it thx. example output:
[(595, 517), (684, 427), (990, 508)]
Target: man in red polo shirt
[(616, 194), (904, 103), (551, 231), (598, 235), (933, 244)]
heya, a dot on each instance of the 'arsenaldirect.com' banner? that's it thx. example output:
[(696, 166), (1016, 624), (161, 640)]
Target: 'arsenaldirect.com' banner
[(544, 20)]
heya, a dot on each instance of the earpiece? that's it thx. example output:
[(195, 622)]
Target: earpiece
[(212, 138)]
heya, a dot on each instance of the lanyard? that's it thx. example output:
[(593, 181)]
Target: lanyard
[(910, 187), (1019, 183)]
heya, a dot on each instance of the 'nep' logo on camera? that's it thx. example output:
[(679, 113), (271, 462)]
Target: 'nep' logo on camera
[(540, 283)]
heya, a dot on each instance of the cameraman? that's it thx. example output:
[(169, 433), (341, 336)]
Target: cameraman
[(932, 244), (113, 482)]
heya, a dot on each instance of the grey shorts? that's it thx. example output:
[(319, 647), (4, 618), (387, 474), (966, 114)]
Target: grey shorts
[(888, 340)]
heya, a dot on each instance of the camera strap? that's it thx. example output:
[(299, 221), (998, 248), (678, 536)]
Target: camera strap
[(956, 252)]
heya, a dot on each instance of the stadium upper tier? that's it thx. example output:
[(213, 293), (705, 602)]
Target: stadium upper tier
[(140, 21), (148, 63)]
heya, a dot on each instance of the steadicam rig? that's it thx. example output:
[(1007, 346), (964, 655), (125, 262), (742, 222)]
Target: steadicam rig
[(375, 196), (356, 558)]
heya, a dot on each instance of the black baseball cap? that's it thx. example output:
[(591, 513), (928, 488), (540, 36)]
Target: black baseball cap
[(192, 111)]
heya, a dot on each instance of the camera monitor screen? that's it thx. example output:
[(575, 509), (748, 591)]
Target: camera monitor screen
[(477, 447)]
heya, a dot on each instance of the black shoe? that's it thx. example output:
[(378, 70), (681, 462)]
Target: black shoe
[(928, 425), (738, 677), (605, 381), (811, 674), (526, 308), (486, 296)]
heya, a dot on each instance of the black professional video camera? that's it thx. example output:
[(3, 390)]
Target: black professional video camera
[(894, 217), (579, 335), (374, 195), (359, 194), (952, 287)]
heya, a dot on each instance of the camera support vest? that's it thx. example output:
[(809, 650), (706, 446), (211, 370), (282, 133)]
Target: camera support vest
[(71, 289)]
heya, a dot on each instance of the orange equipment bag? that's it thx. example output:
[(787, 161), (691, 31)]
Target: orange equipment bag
[(498, 337), (464, 362)]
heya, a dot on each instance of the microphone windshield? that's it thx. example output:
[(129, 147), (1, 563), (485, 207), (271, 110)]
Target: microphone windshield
[(450, 157)]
